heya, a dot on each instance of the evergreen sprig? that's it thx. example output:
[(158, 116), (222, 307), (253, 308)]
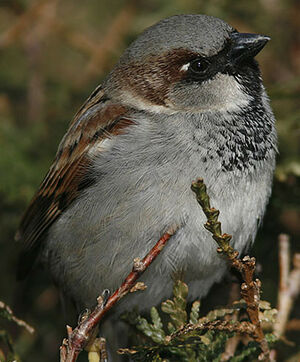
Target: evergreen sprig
[(186, 337)]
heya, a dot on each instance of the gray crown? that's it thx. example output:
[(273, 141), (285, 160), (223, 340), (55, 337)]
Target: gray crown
[(199, 33)]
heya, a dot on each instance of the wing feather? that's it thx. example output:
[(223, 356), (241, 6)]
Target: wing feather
[(69, 174)]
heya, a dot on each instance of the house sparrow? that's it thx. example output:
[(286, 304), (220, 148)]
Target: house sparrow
[(184, 101)]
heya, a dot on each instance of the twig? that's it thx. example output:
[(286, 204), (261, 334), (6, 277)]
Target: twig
[(16, 31), (97, 350), (33, 40), (289, 284), (103, 351), (80, 336), (293, 325), (44, 19), (250, 289), (233, 342), (11, 316), (99, 55), (112, 39), (230, 347), (240, 327)]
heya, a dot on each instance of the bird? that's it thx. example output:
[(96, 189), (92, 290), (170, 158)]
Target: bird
[(185, 100)]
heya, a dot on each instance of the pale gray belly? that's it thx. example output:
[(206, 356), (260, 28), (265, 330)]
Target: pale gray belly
[(143, 189), (95, 241)]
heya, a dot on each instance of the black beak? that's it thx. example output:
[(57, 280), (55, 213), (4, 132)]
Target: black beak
[(246, 45)]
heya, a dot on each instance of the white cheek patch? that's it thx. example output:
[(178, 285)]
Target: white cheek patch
[(226, 94), (185, 67)]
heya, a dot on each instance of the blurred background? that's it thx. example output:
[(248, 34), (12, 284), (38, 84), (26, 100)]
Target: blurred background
[(52, 55)]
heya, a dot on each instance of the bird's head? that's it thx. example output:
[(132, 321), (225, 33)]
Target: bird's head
[(193, 63)]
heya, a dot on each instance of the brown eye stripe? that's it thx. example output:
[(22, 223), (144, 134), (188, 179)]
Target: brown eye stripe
[(152, 78)]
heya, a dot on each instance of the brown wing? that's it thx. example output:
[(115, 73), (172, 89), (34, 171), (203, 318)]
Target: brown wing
[(97, 119)]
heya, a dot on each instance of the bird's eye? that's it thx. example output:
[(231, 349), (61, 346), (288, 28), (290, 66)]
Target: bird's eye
[(199, 66)]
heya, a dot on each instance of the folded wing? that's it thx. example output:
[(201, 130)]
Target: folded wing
[(99, 118)]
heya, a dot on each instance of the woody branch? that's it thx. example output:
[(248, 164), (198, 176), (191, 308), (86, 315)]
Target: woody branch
[(79, 337), (289, 284)]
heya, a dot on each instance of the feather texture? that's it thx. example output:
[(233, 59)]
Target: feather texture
[(98, 119)]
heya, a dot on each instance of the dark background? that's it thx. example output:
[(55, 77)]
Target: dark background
[(52, 55)]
